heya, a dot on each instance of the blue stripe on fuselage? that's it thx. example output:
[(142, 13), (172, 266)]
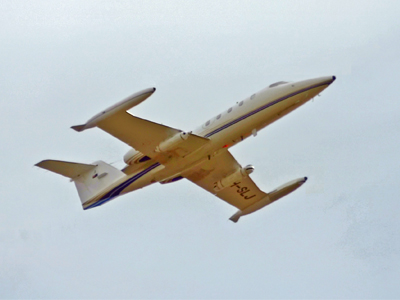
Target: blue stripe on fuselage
[(262, 108), (118, 189)]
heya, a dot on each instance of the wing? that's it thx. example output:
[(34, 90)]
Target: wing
[(241, 193), (145, 136)]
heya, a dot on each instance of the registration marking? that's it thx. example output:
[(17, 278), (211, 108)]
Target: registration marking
[(242, 190)]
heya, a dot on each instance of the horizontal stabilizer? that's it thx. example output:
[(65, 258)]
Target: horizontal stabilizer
[(67, 169)]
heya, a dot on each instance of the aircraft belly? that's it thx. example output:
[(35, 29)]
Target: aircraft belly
[(175, 167)]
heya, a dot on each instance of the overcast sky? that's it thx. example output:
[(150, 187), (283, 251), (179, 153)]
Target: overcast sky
[(338, 236)]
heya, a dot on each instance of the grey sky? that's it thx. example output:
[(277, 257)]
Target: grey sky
[(336, 237)]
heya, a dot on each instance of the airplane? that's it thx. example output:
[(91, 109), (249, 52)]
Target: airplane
[(163, 154)]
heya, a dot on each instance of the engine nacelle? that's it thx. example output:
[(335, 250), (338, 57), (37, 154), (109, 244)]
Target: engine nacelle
[(172, 143), (232, 178), (135, 157)]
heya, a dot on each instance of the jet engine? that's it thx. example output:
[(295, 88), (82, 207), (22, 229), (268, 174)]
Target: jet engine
[(135, 157), (232, 178)]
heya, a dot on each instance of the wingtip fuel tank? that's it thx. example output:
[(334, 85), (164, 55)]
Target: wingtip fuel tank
[(123, 105), (276, 194)]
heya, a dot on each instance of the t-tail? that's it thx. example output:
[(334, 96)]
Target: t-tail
[(91, 180)]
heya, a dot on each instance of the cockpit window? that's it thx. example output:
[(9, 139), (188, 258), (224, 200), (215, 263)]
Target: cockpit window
[(277, 83)]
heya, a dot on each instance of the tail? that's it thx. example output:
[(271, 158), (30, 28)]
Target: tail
[(90, 179)]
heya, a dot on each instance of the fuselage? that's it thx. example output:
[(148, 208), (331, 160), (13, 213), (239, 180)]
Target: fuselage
[(259, 110), (224, 130)]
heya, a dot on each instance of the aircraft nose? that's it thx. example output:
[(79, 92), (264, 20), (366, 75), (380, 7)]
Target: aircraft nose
[(327, 79)]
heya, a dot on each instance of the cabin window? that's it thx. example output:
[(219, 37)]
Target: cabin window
[(240, 103), (208, 122), (252, 96), (229, 110), (219, 116)]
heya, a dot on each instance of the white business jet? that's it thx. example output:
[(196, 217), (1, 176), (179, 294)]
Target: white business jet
[(164, 154)]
